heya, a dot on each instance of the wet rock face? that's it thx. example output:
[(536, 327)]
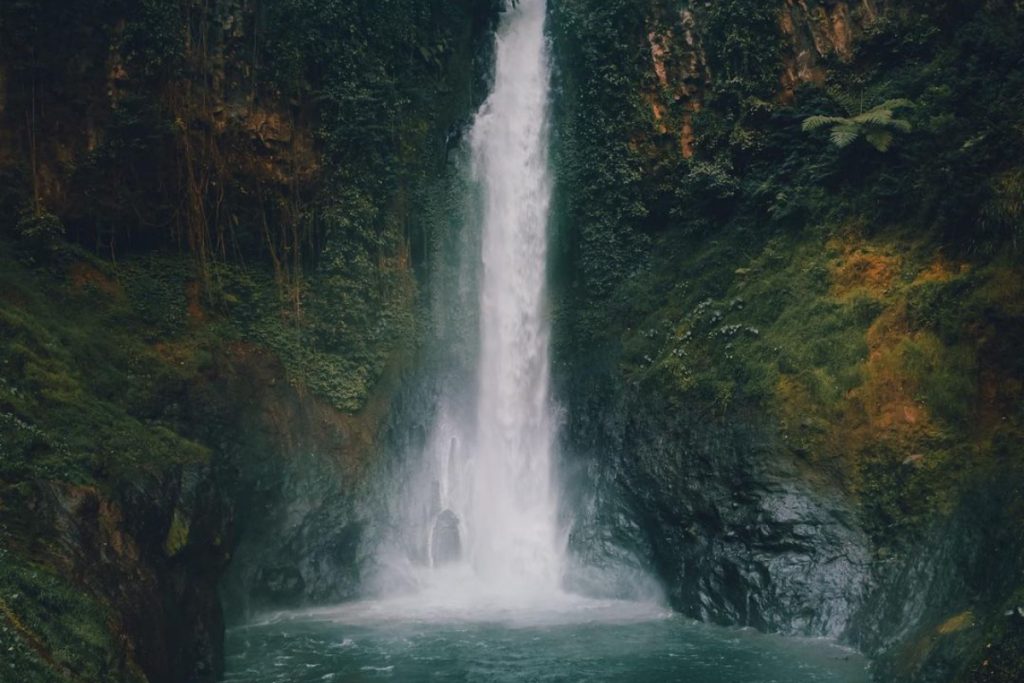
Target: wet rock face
[(783, 559), (148, 553), (289, 469), (943, 605), (298, 543), (738, 533), (816, 31), (279, 583), (728, 525), (445, 543)]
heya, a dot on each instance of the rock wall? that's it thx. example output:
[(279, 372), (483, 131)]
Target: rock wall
[(734, 527), (271, 519), (733, 307), (150, 552), (217, 233)]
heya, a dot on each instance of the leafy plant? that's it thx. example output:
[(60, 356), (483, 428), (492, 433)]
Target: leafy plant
[(876, 125)]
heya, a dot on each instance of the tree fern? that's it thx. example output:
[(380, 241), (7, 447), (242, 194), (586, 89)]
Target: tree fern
[(815, 122), (876, 125), (844, 134), (879, 139), (877, 117), (897, 103)]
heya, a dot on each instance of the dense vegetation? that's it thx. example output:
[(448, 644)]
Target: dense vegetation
[(861, 286), (280, 144), (832, 284), (184, 185)]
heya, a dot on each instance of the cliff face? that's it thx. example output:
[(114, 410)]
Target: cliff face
[(811, 35), (217, 225), (787, 355)]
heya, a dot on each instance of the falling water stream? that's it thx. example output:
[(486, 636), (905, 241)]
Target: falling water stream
[(510, 507), (491, 524), (484, 600)]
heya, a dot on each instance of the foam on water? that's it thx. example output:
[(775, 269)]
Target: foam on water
[(456, 595)]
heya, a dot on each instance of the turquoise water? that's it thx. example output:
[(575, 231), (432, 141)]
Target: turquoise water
[(604, 642)]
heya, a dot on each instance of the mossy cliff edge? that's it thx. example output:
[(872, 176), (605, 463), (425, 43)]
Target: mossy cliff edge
[(789, 314), (216, 221)]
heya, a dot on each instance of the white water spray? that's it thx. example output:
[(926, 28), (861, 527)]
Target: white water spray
[(510, 513), (492, 523)]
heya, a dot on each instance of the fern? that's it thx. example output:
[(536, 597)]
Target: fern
[(879, 139), (901, 125), (899, 103), (844, 100), (878, 117), (843, 135), (876, 125), (815, 122)]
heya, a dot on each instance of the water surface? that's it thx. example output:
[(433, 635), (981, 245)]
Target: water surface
[(589, 640)]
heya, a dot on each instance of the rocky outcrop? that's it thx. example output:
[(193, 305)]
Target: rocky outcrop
[(682, 72), (192, 127), (148, 554), (812, 32), (816, 31), (943, 608), (736, 533), (864, 508), (739, 531), (269, 520), (291, 468), (445, 544)]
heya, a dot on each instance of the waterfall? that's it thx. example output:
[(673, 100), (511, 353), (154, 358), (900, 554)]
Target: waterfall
[(487, 507), (511, 509)]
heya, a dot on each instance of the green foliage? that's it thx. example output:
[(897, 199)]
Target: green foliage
[(743, 45), (154, 39), (745, 328), (947, 378), (753, 170), (44, 228), (40, 232), (367, 94), (601, 67), (387, 80), (876, 125), (78, 644), (712, 280), (81, 397), (156, 287), (177, 535), (348, 328)]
